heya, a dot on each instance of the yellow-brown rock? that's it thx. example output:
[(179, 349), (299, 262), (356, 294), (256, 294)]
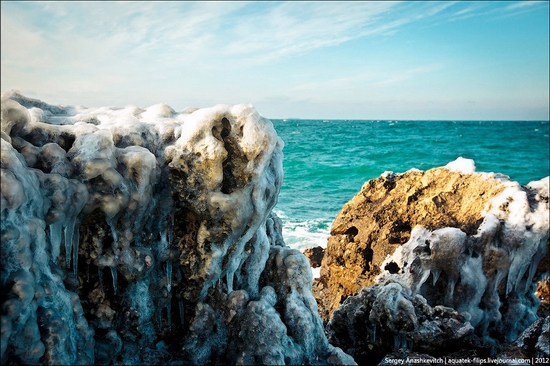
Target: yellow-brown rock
[(381, 216)]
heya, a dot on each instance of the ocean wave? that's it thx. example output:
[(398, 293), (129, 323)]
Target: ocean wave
[(305, 234)]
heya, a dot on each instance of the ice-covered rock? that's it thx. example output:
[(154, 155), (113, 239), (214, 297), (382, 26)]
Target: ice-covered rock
[(470, 242), (145, 236), (387, 317)]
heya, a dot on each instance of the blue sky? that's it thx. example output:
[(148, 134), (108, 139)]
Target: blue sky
[(327, 60)]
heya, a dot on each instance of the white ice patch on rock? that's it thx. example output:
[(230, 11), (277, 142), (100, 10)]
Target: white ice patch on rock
[(462, 165)]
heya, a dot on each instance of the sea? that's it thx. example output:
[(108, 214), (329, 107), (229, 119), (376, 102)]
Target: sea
[(326, 162)]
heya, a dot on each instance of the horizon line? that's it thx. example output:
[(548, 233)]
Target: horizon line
[(409, 120)]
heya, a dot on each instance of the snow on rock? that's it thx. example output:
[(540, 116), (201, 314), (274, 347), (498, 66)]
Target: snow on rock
[(461, 165), (145, 236)]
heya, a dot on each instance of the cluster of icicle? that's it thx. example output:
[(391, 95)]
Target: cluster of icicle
[(175, 207), (489, 275), (445, 290)]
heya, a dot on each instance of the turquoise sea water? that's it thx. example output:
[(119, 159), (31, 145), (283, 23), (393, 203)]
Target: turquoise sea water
[(327, 162)]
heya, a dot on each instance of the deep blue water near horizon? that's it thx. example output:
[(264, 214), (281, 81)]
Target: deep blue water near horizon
[(326, 162)]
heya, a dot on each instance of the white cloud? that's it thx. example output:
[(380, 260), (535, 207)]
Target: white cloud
[(361, 83), (172, 34), (407, 74), (146, 52), (295, 28), (521, 4)]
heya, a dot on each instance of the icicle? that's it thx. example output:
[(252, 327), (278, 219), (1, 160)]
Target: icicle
[(435, 274), (524, 267), (169, 312), (114, 275), (396, 342), (508, 285), (450, 294), (164, 246), (169, 275), (399, 341), (230, 282), (501, 273), (373, 333), (532, 270), (113, 230), (69, 231), (171, 230), (76, 243), (159, 318), (424, 278), (182, 311), (100, 274), (55, 239)]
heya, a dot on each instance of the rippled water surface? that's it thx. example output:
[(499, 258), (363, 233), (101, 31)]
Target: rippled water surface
[(327, 162)]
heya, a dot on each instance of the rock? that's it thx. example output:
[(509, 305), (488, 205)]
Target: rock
[(315, 256), (536, 339), (533, 342), (387, 317), (453, 275), (543, 293), (146, 236), (495, 231)]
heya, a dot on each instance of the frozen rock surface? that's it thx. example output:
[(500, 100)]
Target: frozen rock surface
[(387, 317), (146, 236), (447, 259)]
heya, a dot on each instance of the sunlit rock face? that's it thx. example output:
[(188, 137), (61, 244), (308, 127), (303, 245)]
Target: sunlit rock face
[(449, 238), (146, 236)]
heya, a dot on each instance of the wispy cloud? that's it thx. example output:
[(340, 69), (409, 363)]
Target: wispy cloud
[(230, 51), (521, 4), (294, 28), (365, 83), (188, 33), (407, 74)]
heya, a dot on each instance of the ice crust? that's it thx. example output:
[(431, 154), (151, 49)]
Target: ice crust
[(145, 236)]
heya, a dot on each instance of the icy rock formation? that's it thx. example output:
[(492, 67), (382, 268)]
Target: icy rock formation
[(543, 293), (497, 232), (533, 342), (387, 317), (145, 236), (478, 260)]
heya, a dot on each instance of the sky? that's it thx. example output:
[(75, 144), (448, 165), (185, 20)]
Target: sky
[(463, 60)]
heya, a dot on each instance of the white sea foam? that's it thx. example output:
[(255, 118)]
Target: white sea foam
[(305, 234)]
